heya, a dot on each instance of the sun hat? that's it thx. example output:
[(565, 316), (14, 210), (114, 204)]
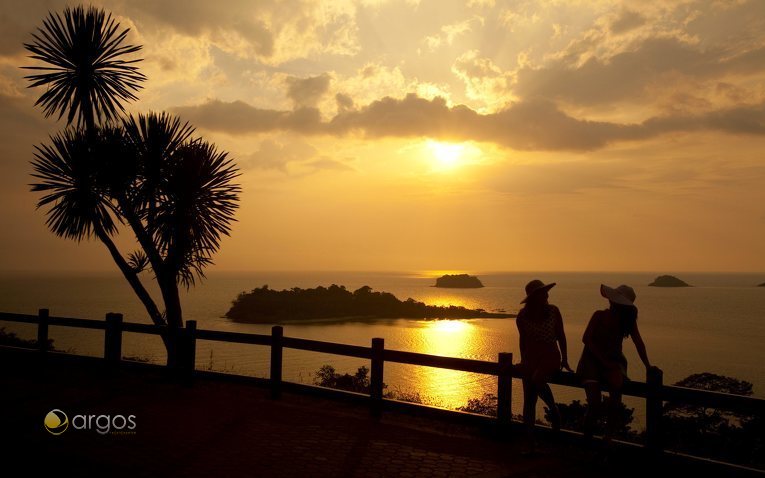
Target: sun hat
[(623, 294), (535, 287)]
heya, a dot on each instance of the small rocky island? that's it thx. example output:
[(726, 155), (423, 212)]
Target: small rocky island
[(458, 281), (761, 285), (668, 281), (264, 305)]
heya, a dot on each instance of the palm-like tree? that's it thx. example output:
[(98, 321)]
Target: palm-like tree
[(175, 193), (85, 69)]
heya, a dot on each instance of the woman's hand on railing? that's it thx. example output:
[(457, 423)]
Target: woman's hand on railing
[(565, 366)]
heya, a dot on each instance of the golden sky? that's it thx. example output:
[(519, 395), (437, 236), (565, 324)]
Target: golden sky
[(450, 135)]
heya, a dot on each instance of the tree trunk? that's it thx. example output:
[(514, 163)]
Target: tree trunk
[(135, 283)]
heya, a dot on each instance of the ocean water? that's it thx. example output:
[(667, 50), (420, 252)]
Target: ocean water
[(716, 326)]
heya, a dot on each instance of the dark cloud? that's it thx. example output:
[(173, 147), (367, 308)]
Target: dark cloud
[(197, 17), (240, 118), (626, 20), (306, 92), (18, 20), (627, 75), (529, 125), (344, 102)]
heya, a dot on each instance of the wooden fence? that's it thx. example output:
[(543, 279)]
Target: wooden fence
[(653, 390)]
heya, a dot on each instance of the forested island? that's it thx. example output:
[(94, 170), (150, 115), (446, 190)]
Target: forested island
[(264, 305), (668, 281), (459, 281)]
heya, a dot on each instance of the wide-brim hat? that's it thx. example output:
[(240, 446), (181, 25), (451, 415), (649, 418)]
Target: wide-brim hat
[(623, 295), (536, 286)]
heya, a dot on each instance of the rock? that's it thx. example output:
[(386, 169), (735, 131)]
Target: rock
[(668, 281), (761, 285), (459, 281)]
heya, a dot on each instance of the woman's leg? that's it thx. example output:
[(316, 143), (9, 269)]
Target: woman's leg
[(615, 384), (545, 393), (592, 389), (529, 408)]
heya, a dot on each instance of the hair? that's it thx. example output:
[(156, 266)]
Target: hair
[(535, 304), (627, 315)]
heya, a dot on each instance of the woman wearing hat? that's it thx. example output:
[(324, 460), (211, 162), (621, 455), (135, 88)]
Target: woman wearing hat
[(602, 361), (540, 329)]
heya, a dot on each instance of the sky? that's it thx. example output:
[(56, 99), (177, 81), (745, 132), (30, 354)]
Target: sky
[(405, 135)]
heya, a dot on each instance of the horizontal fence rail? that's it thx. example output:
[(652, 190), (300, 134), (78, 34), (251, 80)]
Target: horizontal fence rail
[(653, 390)]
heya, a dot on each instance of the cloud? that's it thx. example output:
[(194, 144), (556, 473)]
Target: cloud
[(344, 102), (484, 80), (291, 156), (325, 163), (627, 20), (630, 75), (450, 32), (528, 125), (306, 92), (272, 31), (277, 155), (239, 118)]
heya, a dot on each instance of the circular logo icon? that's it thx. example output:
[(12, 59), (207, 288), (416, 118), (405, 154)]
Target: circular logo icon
[(56, 422)]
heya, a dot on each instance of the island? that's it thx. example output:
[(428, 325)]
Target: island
[(264, 305), (761, 285), (668, 281), (458, 281)]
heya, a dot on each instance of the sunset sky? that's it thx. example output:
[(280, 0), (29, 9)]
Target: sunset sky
[(436, 135)]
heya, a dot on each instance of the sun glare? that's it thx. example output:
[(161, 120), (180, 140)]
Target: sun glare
[(446, 155)]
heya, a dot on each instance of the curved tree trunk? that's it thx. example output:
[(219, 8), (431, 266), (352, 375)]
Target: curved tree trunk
[(135, 283)]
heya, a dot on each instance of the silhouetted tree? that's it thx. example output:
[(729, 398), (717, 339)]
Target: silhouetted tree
[(714, 432), (175, 192)]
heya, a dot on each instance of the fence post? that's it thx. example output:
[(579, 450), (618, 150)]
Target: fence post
[(42, 330), (376, 378), (505, 390), (190, 350), (277, 333), (113, 338), (654, 407)]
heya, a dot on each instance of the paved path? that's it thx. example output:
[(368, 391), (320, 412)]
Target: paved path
[(225, 429)]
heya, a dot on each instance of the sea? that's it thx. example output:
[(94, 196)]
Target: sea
[(717, 326)]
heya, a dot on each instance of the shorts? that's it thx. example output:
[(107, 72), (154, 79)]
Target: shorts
[(590, 369), (541, 359)]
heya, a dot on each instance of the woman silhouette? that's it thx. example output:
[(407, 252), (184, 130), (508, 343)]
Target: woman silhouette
[(602, 361), (540, 329)]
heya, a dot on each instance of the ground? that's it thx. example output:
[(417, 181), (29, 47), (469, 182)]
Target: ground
[(226, 429)]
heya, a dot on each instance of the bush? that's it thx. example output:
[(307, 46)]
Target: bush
[(10, 338), (326, 376)]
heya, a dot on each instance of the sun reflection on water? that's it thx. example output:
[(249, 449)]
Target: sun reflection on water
[(448, 338)]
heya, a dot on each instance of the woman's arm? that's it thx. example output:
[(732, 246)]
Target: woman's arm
[(561, 335), (640, 346), (521, 338)]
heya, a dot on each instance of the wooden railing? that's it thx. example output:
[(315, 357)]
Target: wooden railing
[(653, 390)]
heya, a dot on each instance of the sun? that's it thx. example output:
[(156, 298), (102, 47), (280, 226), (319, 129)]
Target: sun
[(447, 156)]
